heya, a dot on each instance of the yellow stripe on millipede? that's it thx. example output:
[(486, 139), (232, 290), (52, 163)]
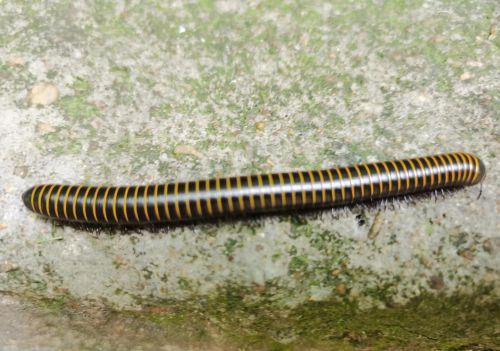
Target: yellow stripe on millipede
[(353, 192), (85, 204), (94, 203), (125, 195), (342, 188), (426, 159), (33, 197), (458, 164), (424, 178), (155, 203), (323, 189), (407, 175), (469, 178), (260, 182), (467, 169), (313, 191), (397, 174), (240, 194), (105, 204), (438, 168), (219, 195), (176, 200), (75, 201), (56, 202), (476, 160), (360, 180), (414, 169), (388, 175), (229, 195), (65, 202), (47, 201), (271, 186), (445, 169), (282, 189), (372, 190), (330, 176), (294, 196), (209, 200), (165, 201), (464, 165), (379, 174), (198, 198), (186, 199), (250, 191), (302, 181), (478, 167), (451, 167), (114, 205), (146, 212), (136, 198), (40, 209)]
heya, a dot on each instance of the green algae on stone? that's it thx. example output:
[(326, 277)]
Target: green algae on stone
[(426, 322), (77, 106), (233, 316)]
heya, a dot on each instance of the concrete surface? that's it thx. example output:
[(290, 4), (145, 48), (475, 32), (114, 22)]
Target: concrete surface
[(118, 92)]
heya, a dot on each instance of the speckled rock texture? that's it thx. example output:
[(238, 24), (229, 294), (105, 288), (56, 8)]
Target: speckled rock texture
[(119, 92)]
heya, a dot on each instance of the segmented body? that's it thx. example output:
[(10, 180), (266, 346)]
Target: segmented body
[(242, 195)]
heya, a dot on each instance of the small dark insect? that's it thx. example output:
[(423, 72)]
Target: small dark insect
[(253, 194)]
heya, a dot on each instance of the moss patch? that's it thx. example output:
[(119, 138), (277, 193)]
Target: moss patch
[(77, 106), (453, 323), (240, 319)]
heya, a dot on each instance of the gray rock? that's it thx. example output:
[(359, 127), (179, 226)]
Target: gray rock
[(250, 88)]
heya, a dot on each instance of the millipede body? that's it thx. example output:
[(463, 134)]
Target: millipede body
[(252, 194)]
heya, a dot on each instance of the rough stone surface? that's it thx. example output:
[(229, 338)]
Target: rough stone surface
[(39, 327), (155, 92)]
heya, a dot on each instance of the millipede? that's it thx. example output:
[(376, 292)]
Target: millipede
[(253, 194)]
